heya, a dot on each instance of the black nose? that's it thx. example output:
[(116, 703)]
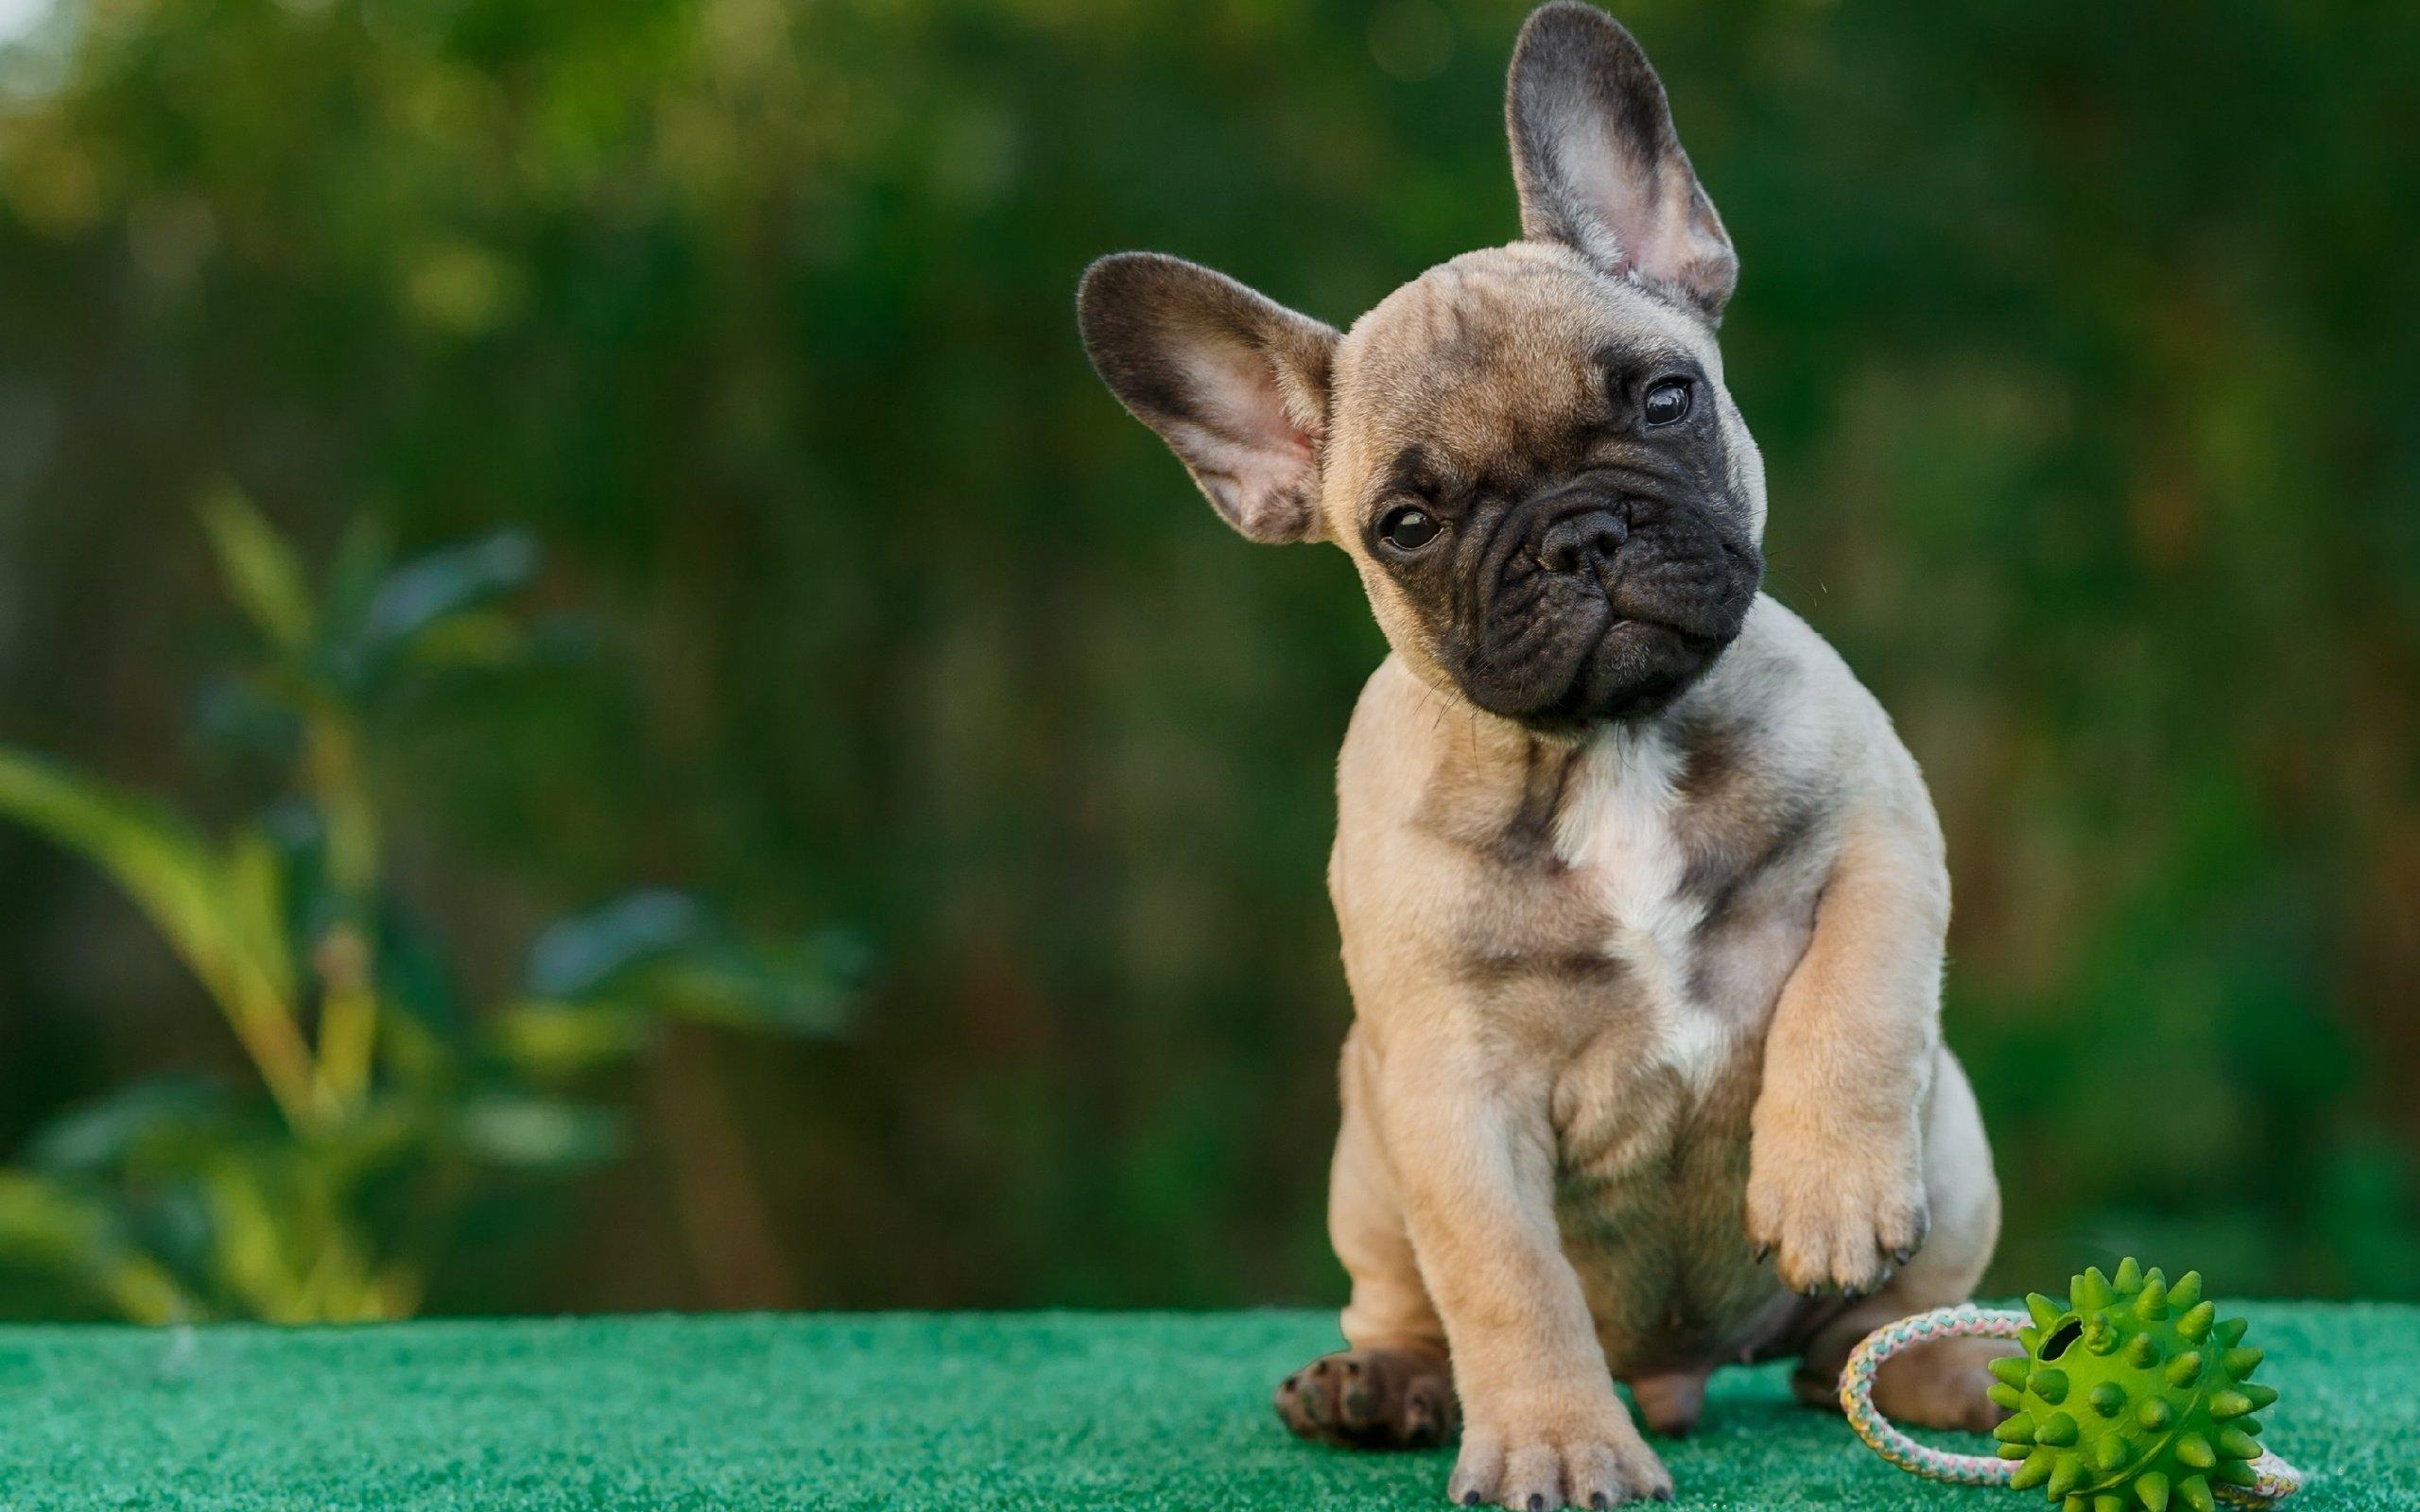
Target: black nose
[(1583, 543)]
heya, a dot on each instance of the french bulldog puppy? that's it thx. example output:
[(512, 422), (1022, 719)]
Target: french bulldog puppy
[(1642, 899)]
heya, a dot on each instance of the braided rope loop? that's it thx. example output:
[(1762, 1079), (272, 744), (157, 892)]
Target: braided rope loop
[(2274, 1479), (1856, 1393)]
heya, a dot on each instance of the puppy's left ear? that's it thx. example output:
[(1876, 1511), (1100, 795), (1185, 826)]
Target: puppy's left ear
[(1598, 165), (1235, 384)]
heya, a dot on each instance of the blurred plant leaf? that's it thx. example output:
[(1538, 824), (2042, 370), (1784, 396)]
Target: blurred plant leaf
[(238, 714), (531, 1132), (801, 989), (168, 1221), (427, 589), (160, 863), (253, 1237), (131, 1126), (364, 554), (301, 838), (188, 893), (254, 895), (586, 954), (555, 1041), (43, 1224), (471, 640), (662, 952), (262, 576)]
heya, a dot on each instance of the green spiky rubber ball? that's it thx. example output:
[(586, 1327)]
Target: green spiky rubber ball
[(2133, 1393)]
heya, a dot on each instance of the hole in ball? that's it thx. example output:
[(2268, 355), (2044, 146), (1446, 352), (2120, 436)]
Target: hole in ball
[(2060, 1337)]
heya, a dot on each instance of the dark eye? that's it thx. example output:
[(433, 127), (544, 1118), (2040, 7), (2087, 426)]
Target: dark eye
[(1407, 529), (1668, 401)]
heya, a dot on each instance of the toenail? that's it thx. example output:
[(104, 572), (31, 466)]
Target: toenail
[(1853, 1293), (1904, 1254), (1600, 1502), (1470, 1499), (1814, 1288), (1764, 1252), (1663, 1493), (1537, 1502)]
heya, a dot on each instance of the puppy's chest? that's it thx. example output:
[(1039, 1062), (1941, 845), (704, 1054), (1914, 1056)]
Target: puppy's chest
[(1618, 837)]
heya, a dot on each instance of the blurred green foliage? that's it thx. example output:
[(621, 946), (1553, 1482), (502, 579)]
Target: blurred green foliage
[(392, 1112), (2074, 332)]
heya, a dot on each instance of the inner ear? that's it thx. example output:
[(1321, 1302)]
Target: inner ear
[(1597, 163), (1236, 383)]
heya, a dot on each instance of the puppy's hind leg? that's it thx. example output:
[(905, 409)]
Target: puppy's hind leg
[(1394, 1389), (1669, 1404), (1941, 1384)]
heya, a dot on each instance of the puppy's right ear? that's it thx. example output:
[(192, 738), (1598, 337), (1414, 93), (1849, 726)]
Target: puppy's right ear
[(1235, 384)]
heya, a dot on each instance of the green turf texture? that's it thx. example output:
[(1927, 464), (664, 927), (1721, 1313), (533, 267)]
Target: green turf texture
[(951, 1411)]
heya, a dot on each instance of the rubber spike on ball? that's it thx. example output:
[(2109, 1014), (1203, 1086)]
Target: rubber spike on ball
[(2035, 1471), (2091, 1290)]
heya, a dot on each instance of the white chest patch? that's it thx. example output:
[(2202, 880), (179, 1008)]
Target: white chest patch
[(1616, 829)]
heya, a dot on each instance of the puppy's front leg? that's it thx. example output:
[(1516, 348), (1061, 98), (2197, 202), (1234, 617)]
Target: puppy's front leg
[(1474, 1160), (1836, 1161)]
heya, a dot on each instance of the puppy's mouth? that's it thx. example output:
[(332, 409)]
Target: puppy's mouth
[(1590, 608), (1634, 669)]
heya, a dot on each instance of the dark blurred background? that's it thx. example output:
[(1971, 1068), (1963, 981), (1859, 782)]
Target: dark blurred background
[(2078, 338)]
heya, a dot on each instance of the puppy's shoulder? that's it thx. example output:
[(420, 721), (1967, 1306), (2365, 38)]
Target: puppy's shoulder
[(1788, 683), (1790, 696)]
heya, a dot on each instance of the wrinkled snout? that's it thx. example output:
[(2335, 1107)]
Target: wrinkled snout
[(1604, 601), (1656, 560)]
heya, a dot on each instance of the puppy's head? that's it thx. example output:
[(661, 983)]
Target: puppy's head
[(1528, 451)]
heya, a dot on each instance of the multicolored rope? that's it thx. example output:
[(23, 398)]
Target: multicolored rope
[(2277, 1480)]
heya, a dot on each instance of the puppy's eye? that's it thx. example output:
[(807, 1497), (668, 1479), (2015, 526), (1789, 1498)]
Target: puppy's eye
[(1668, 401), (1407, 529)]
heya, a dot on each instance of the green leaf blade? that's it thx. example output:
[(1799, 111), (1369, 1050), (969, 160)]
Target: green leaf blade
[(262, 575)]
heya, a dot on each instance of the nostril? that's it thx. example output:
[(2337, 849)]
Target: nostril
[(1583, 543)]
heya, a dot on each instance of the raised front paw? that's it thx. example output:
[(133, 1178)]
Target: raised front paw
[(1832, 1211), (1531, 1464), (1372, 1398)]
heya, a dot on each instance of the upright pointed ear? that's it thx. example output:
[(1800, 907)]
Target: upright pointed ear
[(1235, 384), (1598, 165)]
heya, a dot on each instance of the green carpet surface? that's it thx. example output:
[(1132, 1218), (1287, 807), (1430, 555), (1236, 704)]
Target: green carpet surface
[(950, 1411)]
